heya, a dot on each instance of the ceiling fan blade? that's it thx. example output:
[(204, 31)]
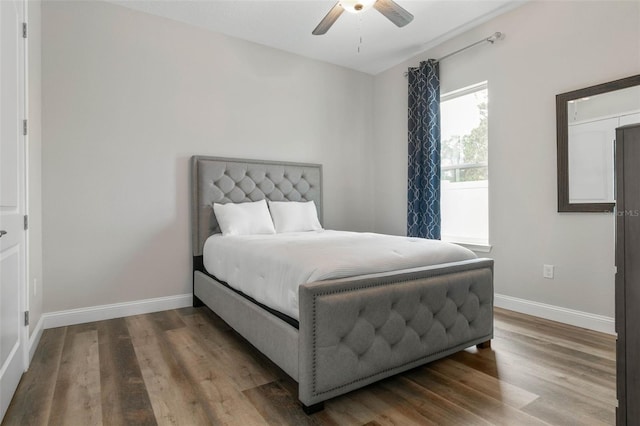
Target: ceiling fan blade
[(393, 12), (329, 20)]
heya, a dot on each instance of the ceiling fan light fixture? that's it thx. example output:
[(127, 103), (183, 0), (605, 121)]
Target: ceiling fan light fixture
[(389, 8), (356, 6)]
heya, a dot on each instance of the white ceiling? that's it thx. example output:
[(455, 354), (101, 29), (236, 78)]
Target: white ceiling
[(287, 25)]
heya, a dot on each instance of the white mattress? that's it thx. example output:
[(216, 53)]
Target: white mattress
[(270, 268)]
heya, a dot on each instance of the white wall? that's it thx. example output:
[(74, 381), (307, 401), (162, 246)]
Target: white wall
[(550, 48), (618, 102), (129, 97), (35, 163)]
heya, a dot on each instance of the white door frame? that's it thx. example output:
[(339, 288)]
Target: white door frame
[(25, 169)]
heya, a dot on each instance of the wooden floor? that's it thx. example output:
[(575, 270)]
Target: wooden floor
[(187, 367)]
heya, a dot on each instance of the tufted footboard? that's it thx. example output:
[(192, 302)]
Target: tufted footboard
[(356, 331)]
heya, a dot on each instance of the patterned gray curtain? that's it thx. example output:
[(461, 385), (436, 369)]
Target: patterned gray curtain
[(423, 209)]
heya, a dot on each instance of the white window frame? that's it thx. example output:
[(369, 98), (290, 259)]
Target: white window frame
[(481, 248)]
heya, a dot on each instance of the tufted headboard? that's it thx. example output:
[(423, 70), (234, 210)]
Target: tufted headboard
[(229, 180)]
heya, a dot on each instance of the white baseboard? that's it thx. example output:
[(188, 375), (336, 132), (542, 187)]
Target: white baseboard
[(35, 337), (115, 310), (557, 313)]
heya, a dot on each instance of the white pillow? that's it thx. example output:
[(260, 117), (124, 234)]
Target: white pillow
[(244, 218), (293, 216)]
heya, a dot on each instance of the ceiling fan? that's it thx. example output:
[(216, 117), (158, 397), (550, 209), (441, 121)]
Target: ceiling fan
[(390, 9)]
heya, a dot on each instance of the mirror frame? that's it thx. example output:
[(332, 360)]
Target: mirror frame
[(562, 127)]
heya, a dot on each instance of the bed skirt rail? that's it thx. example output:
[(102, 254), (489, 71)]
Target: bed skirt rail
[(355, 331), (269, 334)]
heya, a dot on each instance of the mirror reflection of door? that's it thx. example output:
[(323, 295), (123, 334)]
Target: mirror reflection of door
[(592, 125)]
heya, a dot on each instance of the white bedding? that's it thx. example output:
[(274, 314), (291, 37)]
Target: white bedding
[(270, 268)]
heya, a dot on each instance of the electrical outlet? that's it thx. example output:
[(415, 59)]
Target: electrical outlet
[(547, 271)]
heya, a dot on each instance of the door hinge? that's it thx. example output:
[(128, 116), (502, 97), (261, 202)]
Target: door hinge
[(26, 317), (24, 30), (26, 222), (24, 127)]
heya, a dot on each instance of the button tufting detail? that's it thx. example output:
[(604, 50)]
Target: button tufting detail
[(413, 325)]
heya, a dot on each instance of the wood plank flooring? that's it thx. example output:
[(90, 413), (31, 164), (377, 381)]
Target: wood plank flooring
[(187, 367)]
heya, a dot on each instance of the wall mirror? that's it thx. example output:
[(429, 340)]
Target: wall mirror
[(586, 120)]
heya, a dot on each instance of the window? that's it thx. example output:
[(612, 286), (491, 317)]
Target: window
[(465, 177)]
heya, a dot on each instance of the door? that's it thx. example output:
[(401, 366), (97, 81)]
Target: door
[(628, 273), (12, 200)]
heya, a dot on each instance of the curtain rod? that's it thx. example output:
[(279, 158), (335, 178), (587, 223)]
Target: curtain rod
[(491, 39)]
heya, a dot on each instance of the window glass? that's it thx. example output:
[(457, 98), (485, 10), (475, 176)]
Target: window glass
[(465, 173)]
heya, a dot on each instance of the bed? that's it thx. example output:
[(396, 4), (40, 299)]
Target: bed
[(349, 331)]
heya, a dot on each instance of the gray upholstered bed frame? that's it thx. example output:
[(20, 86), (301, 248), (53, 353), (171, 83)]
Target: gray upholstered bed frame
[(351, 331)]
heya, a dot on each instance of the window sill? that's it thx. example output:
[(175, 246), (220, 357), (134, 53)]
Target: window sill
[(479, 248)]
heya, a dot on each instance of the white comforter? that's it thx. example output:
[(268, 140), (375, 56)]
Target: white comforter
[(270, 268)]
